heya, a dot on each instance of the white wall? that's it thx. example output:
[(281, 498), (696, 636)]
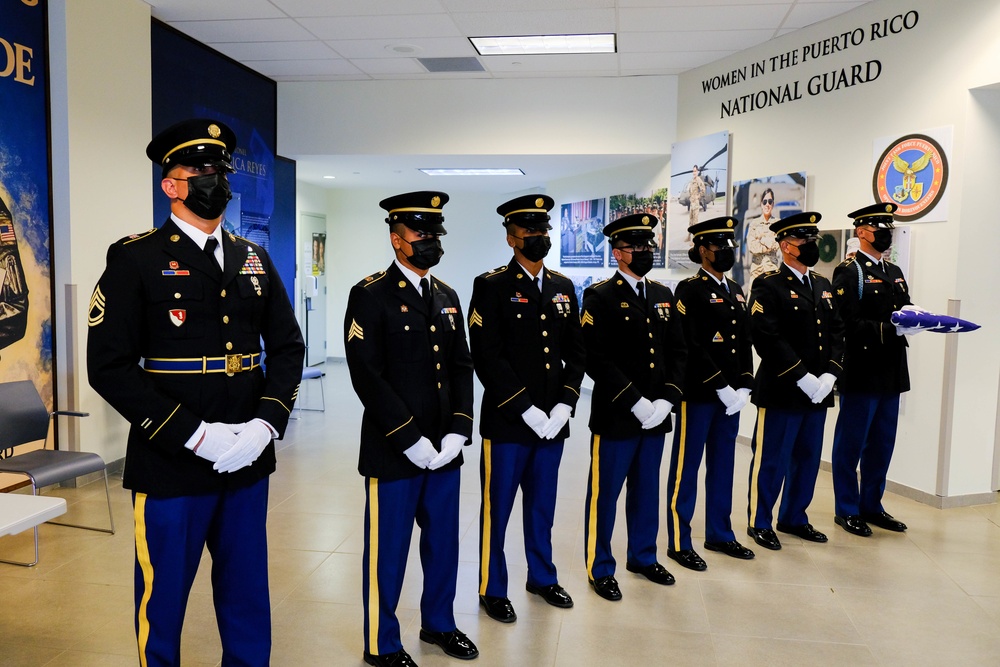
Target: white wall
[(101, 119), (926, 76)]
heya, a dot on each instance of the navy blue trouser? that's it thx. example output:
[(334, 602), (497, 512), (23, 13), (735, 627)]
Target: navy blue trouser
[(865, 433), (430, 499), (701, 427), (502, 469), (786, 448), (612, 462), (170, 536)]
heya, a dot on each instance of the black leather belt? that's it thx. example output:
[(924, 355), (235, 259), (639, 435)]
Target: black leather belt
[(231, 364)]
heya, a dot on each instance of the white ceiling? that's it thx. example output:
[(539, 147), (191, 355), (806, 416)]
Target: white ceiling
[(356, 40)]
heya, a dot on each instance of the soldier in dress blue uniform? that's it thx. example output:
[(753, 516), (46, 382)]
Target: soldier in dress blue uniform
[(194, 303), (635, 355), (410, 365), (868, 290), (524, 328), (713, 313), (799, 337)]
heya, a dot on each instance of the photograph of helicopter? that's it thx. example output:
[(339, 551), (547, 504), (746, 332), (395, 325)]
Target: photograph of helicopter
[(701, 191)]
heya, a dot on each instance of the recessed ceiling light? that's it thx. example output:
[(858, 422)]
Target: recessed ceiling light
[(473, 172), (544, 44), (330, 177)]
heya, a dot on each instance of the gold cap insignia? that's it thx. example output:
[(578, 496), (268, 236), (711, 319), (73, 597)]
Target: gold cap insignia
[(435, 201), (540, 203), (729, 223), (812, 218), (214, 131), (645, 219), (888, 208)]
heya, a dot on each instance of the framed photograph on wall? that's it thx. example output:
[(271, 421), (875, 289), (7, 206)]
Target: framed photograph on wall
[(581, 241), (653, 202), (757, 203), (699, 186)]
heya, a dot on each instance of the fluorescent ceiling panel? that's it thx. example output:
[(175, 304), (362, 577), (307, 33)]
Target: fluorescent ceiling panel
[(544, 44)]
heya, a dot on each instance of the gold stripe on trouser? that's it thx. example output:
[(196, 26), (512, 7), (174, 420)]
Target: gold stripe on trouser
[(595, 478), (484, 554), (756, 465), (678, 472), (373, 610), (142, 555)]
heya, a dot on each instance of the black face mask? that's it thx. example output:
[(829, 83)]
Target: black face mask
[(725, 259), (641, 262), (207, 195), (882, 240), (535, 248), (808, 253), (426, 253)]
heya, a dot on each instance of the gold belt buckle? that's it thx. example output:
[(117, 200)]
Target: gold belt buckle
[(234, 364)]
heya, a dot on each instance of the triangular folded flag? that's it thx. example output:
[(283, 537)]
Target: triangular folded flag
[(914, 319)]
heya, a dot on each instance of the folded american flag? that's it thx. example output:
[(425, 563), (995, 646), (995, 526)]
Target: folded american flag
[(914, 319)]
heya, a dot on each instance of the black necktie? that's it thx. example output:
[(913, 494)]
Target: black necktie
[(805, 281), (725, 285), (641, 287), (210, 245), (425, 291)]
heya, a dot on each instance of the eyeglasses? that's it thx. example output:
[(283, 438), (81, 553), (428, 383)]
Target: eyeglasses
[(767, 202)]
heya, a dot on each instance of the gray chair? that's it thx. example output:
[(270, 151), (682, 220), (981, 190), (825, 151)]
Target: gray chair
[(24, 419), (313, 373)]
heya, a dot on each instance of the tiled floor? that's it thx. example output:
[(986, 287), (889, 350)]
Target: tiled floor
[(930, 596)]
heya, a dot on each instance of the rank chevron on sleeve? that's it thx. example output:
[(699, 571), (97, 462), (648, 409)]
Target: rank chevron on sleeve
[(587, 319), (475, 319), (756, 308), (355, 331)]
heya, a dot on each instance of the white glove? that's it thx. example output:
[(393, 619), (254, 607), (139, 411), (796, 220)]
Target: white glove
[(558, 417), (809, 384), (742, 398), (826, 382), (661, 408), (216, 440), (915, 308), (728, 396), (421, 452), (451, 445), (252, 438), (643, 409), (536, 419), (908, 331)]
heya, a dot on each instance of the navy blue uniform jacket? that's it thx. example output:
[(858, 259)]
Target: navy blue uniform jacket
[(411, 369), (634, 350), (160, 297), (527, 348), (795, 331)]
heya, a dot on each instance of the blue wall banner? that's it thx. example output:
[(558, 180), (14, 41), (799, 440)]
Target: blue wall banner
[(25, 200)]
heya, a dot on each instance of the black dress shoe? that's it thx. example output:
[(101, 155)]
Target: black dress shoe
[(765, 537), (688, 558), (654, 572), (805, 531), (885, 520), (555, 595), (855, 525), (453, 643), (607, 588), (398, 659), (499, 609), (731, 548)]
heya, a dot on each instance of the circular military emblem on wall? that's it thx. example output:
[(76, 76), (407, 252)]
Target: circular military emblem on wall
[(913, 172)]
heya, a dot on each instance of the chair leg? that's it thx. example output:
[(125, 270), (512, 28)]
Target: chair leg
[(22, 563), (111, 516)]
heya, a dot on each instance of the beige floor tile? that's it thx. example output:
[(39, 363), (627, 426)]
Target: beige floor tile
[(88, 659), (756, 652), (336, 579), (977, 574), (778, 611), (19, 655), (605, 644)]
